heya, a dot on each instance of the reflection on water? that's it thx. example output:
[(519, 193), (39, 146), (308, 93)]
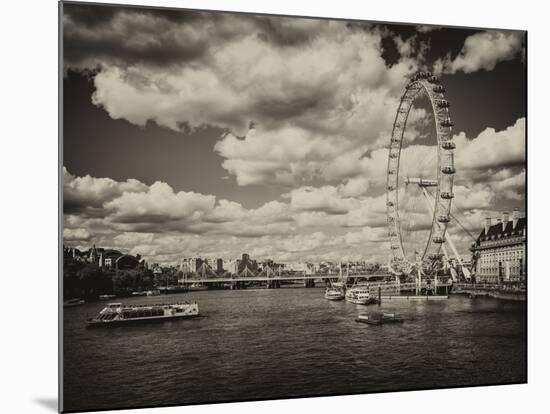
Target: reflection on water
[(258, 344)]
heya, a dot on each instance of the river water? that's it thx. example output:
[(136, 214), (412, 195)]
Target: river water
[(261, 344)]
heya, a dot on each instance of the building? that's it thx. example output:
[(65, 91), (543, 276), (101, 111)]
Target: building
[(108, 258), (219, 266), (189, 265), (246, 262), (305, 268), (230, 265), (500, 250)]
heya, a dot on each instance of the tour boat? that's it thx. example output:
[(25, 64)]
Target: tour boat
[(332, 293), (379, 318), (359, 295), (118, 313), (73, 302)]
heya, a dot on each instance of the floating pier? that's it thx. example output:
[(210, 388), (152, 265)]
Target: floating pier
[(493, 291), (412, 297)]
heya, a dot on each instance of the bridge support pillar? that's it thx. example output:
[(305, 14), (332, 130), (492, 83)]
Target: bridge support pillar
[(273, 284), (237, 285), (309, 283)]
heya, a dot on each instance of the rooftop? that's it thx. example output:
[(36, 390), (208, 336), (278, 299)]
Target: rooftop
[(499, 231)]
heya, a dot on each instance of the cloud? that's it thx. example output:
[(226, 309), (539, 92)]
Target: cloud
[(90, 193), (328, 199), (275, 156), (162, 224), (491, 148), (477, 197), (159, 204), (76, 235), (365, 235), (482, 51), (103, 36), (512, 186), (426, 28), (314, 89), (313, 223), (251, 78)]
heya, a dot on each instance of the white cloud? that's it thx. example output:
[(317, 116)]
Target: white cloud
[(511, 187), (159, 204), (492, 148), (76, 235), (162, 224), (311, 100), (355, 187), (482, 51), (477, 197), (328, 199), (85, 192)]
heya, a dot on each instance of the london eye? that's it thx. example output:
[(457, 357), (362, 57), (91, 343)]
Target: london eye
[(420, 175)]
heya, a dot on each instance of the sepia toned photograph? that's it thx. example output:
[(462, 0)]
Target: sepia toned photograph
[(259, 207)]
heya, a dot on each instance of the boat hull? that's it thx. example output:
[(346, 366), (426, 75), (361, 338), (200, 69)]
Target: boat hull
[(379, 320), (132, 321)]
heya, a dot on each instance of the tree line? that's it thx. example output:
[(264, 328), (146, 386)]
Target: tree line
[(88, 281)]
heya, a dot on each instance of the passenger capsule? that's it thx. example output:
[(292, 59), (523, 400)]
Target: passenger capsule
[(448, 145), (446, 195), (438, 239), (448, 170), (447, 123), (443, 103)]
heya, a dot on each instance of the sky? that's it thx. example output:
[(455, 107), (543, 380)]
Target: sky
[(190, 133)]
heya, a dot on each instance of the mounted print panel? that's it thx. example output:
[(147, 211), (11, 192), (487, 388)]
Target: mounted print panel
[(259, 207)]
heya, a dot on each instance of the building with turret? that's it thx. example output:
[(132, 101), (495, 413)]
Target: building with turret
[(499, 253)]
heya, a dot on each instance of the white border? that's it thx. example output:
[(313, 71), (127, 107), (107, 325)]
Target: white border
[(29, 203)]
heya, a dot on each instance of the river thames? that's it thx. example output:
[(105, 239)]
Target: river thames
[(261, 344)]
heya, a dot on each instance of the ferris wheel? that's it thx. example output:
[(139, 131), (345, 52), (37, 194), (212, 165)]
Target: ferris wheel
[(420, 177)]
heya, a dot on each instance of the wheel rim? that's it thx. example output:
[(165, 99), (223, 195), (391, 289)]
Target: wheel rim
[(423, 84)]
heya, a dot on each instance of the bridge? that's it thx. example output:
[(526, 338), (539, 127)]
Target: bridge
[(263, 278), (206, 274), (273, 280)]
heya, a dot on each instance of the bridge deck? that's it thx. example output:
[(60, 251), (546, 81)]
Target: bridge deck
[(373, 286)]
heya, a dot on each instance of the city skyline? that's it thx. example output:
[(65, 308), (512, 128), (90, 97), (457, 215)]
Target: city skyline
[(237, 133)]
